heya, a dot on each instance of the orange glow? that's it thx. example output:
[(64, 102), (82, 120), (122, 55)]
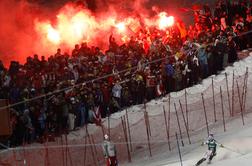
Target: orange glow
[(164, 21), (121, 27), (53, 35), (74, 25)]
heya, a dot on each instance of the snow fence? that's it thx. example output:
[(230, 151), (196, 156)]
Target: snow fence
[(149, 129)]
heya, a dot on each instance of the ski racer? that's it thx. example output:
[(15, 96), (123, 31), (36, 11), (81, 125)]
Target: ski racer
[(211, 152)]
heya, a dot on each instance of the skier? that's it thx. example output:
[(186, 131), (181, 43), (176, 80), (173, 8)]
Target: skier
[(212, 144), (109, 151)]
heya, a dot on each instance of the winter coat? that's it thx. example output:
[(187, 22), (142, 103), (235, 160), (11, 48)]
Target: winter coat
[(42, 120), (178, 74), (169, 70), (27, 120), (212, 144), (106, 95), (109, 149), (117, 90), (126, 95), (81, 114), (202, 55)]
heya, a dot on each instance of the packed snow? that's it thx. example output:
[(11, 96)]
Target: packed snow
[(237, 149), (237, 140)]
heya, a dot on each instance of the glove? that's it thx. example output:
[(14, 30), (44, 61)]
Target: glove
[(221, 146)]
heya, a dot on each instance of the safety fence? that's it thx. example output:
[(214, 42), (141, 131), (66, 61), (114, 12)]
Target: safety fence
[(147, 130)]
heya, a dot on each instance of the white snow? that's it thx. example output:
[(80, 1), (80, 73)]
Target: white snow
[(237, 138), (237, 149), (155, 107)]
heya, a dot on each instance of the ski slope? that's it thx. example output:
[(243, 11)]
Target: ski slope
[(237, 149), (237, 140)]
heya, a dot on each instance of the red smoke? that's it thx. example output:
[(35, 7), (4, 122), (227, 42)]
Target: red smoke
[(16, 30), (27, 29), (74, 25)]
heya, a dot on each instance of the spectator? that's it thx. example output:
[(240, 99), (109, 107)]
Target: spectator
[(203, 62), (116, 94), (151, 64)]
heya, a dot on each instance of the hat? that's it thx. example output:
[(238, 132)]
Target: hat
[(106, 137), (72, 99)]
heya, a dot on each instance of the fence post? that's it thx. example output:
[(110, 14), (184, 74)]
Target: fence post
[(108, 122), (95, 150), (147, 120), (222, 109), (147, 132), (92, 151), (125, 137), (85, 151), (102, 129), (239, 97), (1, 162), (62, 150), (68, 151), (204, 109), (128, 146), (46, 155), (14, 156), (215, 119), (229, 104), (186, 127), (245, 90), (233, 86), (127, 117), (180, 132), (186, 107), (180, 156), (24, 153), (169, 118), (166, 127)]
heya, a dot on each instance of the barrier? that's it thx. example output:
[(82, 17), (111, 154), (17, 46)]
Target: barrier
[(150, 126)]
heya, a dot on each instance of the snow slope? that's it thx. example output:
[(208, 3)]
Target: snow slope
[(237, 137), (234, 137), (237, 149), (237, 140)]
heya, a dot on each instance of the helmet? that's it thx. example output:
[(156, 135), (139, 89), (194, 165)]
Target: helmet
[(211, 136), (106, 137)]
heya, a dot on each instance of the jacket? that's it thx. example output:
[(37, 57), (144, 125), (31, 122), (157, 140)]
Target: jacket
[(169, 70), (109, 149)]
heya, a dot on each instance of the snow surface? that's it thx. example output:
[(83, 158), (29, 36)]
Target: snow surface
[(155, 107), (237, 149), (237, 138)]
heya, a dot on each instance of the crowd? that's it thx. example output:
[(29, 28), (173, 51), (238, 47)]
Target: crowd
[(124, 75)]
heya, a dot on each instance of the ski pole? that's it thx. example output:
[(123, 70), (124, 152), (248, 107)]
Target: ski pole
[(232, 150), (180, 157)]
